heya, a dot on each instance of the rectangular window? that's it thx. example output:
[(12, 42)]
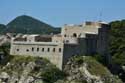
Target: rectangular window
[(54, 49), (42, 49), (37, 49), (59, 49), (27, 50), (48, 49), (32, 49)]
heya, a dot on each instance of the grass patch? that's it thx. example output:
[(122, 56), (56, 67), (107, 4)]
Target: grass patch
[(95, 68)]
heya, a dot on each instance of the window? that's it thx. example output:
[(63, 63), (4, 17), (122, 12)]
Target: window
[(67, 41), (27, 50), (17, 49), (42, 49), (37, 49), (74, 35), (54, 49), (59, 49), (65, 35), (48, 49), (32, 49)]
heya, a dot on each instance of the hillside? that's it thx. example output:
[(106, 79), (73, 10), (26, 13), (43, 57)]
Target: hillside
[(117, 47), (20, 69), (29, 25), (2, 28)]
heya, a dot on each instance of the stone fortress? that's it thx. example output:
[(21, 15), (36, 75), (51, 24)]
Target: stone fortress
[(84, 39)]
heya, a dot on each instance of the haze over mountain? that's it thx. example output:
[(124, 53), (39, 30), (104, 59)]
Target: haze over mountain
[(29, 25)]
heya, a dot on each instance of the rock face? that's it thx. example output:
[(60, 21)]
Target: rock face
[(15, 77), (28, 70), (37, 70), (87, 70)]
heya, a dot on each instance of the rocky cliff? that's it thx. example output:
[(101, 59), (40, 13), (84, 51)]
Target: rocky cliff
[(20, 69)]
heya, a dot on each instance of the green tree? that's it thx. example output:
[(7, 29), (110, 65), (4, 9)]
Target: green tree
[(117, 41)]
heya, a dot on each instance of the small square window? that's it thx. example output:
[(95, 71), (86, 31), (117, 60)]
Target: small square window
[(17, 49)]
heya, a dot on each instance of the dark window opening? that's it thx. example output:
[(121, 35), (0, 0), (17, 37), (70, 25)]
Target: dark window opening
[(37, 49), (27, 50), (54, 49), (17, 49), (65, 35), (67, 41), (59, 49), (48, 49), (74, 35), (42, 49), (32, 49)]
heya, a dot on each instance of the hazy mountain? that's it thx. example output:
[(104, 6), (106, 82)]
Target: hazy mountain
[(30, 25)]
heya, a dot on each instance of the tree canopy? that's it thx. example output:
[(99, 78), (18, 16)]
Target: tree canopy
[(117, 41)]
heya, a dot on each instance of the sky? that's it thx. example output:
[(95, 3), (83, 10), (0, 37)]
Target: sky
[(60, 12)]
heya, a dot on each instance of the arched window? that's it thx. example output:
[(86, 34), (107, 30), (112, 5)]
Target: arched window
[(74, 35)]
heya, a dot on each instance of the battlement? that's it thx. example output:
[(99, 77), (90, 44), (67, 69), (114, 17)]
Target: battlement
[(87, 23)]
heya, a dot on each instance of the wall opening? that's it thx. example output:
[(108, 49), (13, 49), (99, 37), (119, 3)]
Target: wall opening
[(48, 49), (59, 49), (74, 35), (37, 49), (32, 49), (42, 49), (17, 49), (27, 50), (54, 49)]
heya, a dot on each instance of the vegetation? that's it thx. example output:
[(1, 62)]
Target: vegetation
[(117, 42), (94, 66), (47, 71), (28, 25)]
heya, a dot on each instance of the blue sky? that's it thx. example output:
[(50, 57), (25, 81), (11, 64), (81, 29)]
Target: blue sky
[(60, 12)]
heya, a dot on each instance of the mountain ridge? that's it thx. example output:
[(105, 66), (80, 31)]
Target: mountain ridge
[(29, 25)]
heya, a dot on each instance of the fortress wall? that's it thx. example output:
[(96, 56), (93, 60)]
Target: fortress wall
[(78, 31), (53, 53), (69, 31), (69, 50), (102, 45), (57, 39), (74, 49), (82, 46)]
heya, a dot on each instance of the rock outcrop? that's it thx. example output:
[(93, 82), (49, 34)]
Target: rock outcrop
[(38, 70)]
